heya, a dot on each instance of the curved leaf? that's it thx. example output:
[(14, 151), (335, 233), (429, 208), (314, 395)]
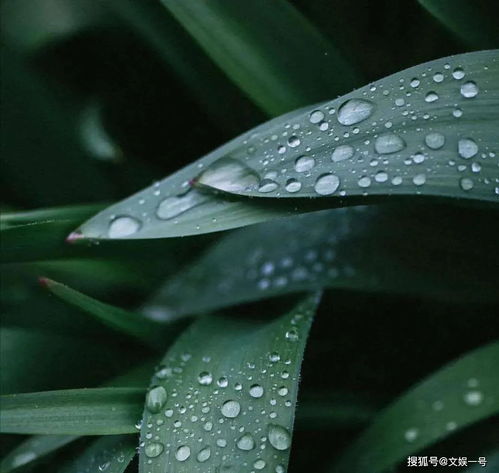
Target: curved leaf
[(99, 411), (225, 395), (458, 395), (376, 248), (109, 454), (429, 130)]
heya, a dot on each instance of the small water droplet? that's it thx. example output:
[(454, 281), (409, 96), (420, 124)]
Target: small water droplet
[(259, 465), (389, 143), (205, 378), (293, 185), (415, 83), (292, 335), (154, 449), (279, 437), (229, 175), (431, 97), (304, 163), (230, 409), (282, 391), (342, 152), (204, 455), (183, 453), (246, 442), (316, 116), (458, 73), (274, 357), (256, 391), (156, 399), (104, 466), (438, 77), (364, 181), (355, 111), (172, 207), (223, 382), (419, 179), (434, 140), (469, 90), (122, 227), (466, 184), (327, 184), (411, 434), (467, 148), (473, 398), (267, 185), (293, 141)]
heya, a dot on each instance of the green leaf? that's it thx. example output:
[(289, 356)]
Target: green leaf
[(32, 449), (147, 331), (110, 454), (268, 49), (472, 21), (378, 248), (460, 394), (99, 411), (225, 395), (394, 137)]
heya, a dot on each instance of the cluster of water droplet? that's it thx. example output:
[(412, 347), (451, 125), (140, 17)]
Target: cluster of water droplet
[(222, 418)]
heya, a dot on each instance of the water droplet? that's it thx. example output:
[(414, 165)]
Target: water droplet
[(154, 449), (274, 357), (438, 77), (469, 90), (256, 391), (326, 184), (457, 112), (434, 140), (364, 181), (411, 434), (283, 391), (104, 466), (419, 179), (172, 207), (418, 158), (354, 111), (267, 185), (204, 455), (231, 409), (229, 175), (205, 378), (246, 442), (381, 176), (23, 458), (415, 83), (293, 141), (389, 143), (156, 399), (222, 443), (223, 382), (259, 465), (316, 116), (431, 97), (342, 152), (292, 335), (304, 163), (473, 398), (122, 227), (466, 184), (279, 437), (183, 453), (279, 469), (467, 148), (458, 73), (293, 185)]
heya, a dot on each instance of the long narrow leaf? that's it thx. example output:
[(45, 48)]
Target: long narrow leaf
[(427, 131), (458, 395), (100, 411), (225, 396)]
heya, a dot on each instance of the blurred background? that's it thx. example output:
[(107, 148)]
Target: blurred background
[(100, 98)]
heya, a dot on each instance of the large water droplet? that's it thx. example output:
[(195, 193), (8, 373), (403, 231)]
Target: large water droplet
[(279, 437), (327, 184), (204, 455), (389, 143), (183, 453), (267, 185), (172, 207), (256, 391), (229, 175), (354, 111), (293, 185), (154, 449), (469, 90), (246, 442), (342, 152), (231, 409), (434, 140), (304, 163), (156, 399), (467, 148), (431, 97), (122, 227)]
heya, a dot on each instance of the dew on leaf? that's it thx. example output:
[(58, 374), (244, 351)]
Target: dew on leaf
[(122, 227), (304, 163), (230, 175), (246, 442), (156, 399), (389, 143), (154, 449), (342, 152), (231, 409), (467, 148), (327, 184), (279, 437), (183, 453), (354, 111), (469, 90), (434, 140)]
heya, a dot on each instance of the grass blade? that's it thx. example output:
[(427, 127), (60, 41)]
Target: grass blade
[(470, 21), (110, 454), (129, 323), (238, 382), (99, 411), (456, 396), (268, 49), (433, 138), (33, 449), (363, 248)]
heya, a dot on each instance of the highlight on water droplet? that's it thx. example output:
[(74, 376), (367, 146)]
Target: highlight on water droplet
[(230, 175)]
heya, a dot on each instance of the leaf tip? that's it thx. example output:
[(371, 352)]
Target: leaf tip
[(74, 236)]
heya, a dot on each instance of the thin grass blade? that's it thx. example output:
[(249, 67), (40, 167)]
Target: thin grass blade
[(225, 395)]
